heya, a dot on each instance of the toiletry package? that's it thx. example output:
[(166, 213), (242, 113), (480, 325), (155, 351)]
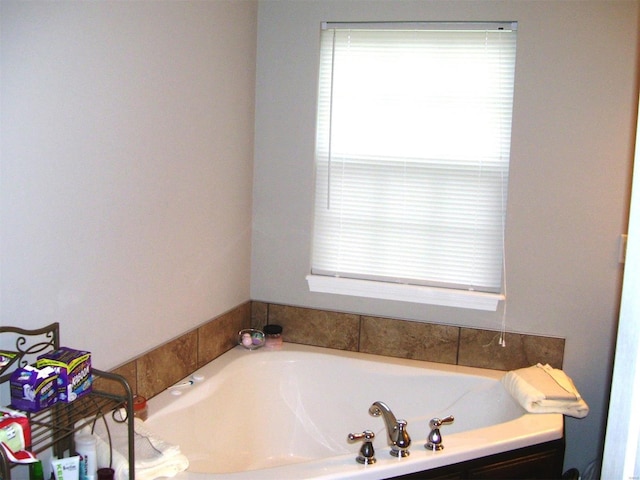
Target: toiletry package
[(33, 389), (86, 449), (74, 372), (67, 468), (6, 360), (15, 436)]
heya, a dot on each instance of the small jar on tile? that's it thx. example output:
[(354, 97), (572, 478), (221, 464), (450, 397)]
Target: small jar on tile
[(272, 336), (140, 407)]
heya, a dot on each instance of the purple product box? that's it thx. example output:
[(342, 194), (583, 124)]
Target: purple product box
[(74, 372), (33, 389)]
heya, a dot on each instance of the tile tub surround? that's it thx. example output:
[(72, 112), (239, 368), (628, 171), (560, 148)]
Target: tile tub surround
[(154, 371), (409, 339), (163, 366)]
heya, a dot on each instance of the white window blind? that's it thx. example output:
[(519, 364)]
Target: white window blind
[(412, 153)]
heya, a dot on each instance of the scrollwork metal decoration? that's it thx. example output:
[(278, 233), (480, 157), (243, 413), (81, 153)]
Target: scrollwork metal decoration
[(28, 344)]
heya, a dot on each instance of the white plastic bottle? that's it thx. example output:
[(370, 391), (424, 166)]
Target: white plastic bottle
[(86, 448)]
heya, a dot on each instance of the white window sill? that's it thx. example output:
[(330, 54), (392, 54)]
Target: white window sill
[(405, 293)]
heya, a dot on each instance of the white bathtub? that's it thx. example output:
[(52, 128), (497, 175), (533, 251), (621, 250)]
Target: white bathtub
[(286, 415)]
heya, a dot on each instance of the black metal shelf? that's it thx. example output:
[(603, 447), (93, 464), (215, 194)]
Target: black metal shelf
[(54, 427)]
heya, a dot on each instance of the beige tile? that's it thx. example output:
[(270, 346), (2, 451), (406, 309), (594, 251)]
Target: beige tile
[(539, 349), (404, 339), (480, 348), (166, 364), (221, 334), (316, 327), (128, 371), (259, 314)]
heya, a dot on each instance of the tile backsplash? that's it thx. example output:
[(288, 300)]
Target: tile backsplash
[(166, 364), (409, 339)]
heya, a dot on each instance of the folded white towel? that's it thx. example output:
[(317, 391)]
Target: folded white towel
[(154, 458), (543, 389)]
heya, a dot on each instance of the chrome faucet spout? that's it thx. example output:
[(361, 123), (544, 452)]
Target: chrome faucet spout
[(381, 409), (396, 429)]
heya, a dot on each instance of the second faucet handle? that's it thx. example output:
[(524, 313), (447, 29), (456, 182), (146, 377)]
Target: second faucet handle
[(434, 440), (367, 453)]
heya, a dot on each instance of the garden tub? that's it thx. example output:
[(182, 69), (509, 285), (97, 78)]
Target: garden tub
[(286, 414)]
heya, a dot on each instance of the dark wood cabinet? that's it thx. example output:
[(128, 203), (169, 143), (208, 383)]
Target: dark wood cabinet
[(538, 462)]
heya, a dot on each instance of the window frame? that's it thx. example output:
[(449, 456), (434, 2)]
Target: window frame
[(465, 297)]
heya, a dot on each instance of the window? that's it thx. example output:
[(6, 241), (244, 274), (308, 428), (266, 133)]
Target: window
[(412, 158)]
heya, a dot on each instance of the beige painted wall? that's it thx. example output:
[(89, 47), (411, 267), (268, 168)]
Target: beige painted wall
[(574, 117), (126, 168)]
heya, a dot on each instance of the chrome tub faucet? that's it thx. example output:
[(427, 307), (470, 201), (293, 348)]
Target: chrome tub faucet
[(399, 438)]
